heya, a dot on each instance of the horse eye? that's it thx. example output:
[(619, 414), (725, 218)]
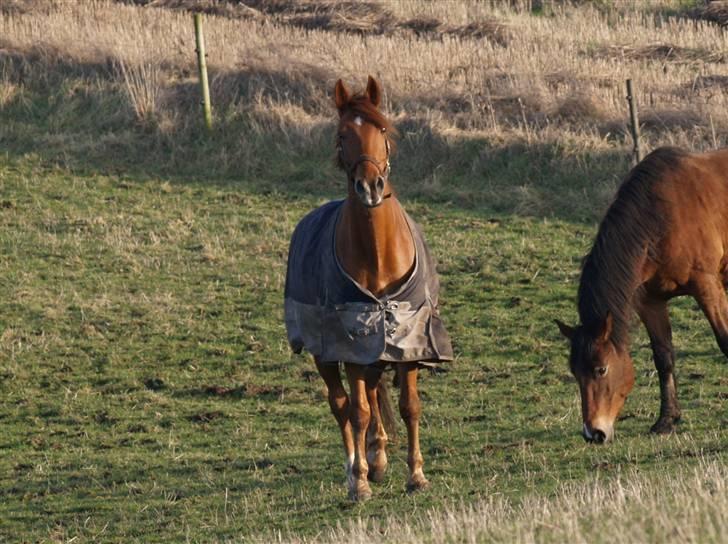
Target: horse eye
[(601, 371)]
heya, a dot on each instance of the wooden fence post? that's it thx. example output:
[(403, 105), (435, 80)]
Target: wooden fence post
[(202, 63), (634, 122)]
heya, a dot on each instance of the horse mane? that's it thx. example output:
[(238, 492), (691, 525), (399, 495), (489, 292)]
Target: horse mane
[(628, 232)]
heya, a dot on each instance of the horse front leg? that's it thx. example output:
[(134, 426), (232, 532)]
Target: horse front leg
[(359, 415), (339, 404), (376, 435), (410, 410), (656, 318)]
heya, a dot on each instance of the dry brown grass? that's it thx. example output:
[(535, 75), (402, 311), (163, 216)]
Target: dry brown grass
[(452, 72), (142, 83), (486, 57), (686, 507)]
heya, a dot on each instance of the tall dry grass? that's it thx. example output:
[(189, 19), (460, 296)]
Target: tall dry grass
[(550, 81), (142, 84), (691, 506), (569, 66)]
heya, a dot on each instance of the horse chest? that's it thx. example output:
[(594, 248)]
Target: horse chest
[(382, 284), (381, 272)]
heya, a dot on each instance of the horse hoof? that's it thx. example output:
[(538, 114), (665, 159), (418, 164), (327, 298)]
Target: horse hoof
[(417, 484), (360, 494), (663, 426), (376, 475)]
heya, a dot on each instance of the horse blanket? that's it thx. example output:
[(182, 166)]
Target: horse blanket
[(335, 319)]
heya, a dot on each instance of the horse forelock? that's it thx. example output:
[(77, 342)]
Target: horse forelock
[(360, 106), (582, 350), (630, 229)]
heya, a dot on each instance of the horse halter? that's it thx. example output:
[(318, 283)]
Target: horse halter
[(350, 170)]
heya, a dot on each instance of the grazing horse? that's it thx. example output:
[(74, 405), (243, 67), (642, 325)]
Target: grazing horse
[(361, 289), (665, 235)]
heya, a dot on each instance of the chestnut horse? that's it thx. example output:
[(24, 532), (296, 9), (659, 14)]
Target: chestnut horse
[(665, 235), (377, 254)]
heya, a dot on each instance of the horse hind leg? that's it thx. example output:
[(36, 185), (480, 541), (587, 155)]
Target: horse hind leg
[(410, 410), (339, 404), (711, 296)]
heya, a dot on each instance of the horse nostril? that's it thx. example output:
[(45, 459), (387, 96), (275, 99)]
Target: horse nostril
[(359, 186), (599, 436), (380, 185)]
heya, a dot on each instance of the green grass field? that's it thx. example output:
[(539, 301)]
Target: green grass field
[(148, 391)]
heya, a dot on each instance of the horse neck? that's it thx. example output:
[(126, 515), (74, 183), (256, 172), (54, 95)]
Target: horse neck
[(610, 284), (375, 245)]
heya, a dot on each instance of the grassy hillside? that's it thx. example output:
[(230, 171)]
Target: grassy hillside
[(515, 108), (146, 388)]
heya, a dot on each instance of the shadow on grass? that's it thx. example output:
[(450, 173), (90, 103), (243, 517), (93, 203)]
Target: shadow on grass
[(70, 116)]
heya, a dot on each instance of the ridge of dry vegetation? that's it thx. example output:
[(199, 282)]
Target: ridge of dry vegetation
[(470, 85), (690, 506), (148, 391), (337, 16)]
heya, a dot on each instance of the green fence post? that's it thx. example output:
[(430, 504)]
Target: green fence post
[(202, 63)]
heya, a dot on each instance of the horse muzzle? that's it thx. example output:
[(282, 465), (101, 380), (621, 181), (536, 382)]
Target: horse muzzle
[(370, 194), (599, 434)]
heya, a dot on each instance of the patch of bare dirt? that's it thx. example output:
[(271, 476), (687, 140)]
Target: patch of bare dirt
[(670, 118), (334, 16), (716, 82), (8, 7), (715, 12), (659, 52), (206, 417)]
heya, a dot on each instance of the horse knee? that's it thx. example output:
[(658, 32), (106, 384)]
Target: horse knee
[(664, 359), (359, 414), (338, 401)]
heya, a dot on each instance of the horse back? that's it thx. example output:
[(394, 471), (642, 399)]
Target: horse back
[(693, 198)]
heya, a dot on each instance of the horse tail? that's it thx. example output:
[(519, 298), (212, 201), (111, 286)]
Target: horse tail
[(389, 419)]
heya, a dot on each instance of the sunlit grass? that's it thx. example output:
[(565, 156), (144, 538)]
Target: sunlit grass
[(148, 392), (148, 389)]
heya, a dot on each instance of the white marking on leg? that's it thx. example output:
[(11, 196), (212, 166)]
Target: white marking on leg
[(587, 432), (349, 467)]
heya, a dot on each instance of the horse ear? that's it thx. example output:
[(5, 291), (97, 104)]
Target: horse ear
[(341, 95), (606, 331), (567, 331), (374, 91)]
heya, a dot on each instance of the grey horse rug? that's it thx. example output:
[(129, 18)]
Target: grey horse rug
[(335, 319)]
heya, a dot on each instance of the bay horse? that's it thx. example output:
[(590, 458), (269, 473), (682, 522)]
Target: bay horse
[(665, 235), (361, 289)]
